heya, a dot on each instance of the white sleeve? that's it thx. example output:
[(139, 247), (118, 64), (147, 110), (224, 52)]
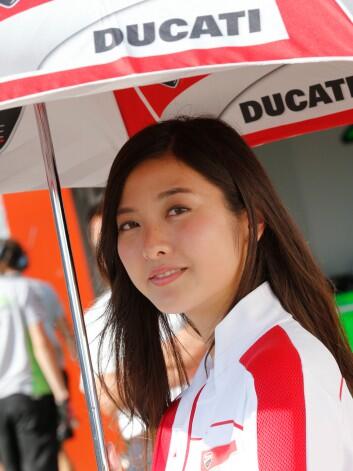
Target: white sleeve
[(324, 426), (347, 412), (95, 322), (32, 308), (102, 355), (296, 410), (287, 432), (57, 308)]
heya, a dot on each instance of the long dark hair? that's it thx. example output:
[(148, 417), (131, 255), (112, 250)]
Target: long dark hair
[(281, 257)]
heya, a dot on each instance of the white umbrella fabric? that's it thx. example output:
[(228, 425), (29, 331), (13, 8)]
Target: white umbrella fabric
[(274, 103), (271, 68)]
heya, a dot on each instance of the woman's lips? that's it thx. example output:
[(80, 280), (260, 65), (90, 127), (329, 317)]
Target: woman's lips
[(167, 276)]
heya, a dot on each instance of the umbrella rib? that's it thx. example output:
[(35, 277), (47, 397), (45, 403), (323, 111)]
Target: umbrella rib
[(147, 104)]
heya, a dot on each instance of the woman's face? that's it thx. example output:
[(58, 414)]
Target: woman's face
[(179, 243)]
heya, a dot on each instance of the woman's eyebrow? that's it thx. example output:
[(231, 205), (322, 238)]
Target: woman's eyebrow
[(173, 191), (162, 195), (126, 210)]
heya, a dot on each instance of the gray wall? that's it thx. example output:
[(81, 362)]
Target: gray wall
[(314, 176)]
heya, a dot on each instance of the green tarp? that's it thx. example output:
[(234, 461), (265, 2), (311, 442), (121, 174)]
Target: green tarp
[(345, 305)]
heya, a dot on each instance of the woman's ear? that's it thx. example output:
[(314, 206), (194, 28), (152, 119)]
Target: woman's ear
[(260, 225), (260, 229)]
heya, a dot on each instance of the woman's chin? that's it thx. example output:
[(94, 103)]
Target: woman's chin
[(167, 306)]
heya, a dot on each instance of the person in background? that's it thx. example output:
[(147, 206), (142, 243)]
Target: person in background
[(32, 387), (55, 323), (191, 348)]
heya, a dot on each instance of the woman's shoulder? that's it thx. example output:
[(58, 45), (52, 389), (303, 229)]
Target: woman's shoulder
[(289, 350)]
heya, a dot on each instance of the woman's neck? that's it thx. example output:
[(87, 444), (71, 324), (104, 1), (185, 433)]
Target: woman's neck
[(205, 318)]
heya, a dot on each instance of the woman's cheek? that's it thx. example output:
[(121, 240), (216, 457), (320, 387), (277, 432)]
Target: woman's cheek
[(197, 231), (189, 234), (125, 251)]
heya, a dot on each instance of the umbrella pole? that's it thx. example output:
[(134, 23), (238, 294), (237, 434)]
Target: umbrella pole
[(71, 283)]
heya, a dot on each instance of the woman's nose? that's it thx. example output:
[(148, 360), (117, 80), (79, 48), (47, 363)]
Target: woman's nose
[(156, 244)]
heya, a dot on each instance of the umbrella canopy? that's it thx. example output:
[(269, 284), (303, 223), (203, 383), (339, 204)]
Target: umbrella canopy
[(264, 103), (272, 69)]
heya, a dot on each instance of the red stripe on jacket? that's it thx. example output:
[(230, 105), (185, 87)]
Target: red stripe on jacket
[(164, 435), (191, 422), (276, 367)]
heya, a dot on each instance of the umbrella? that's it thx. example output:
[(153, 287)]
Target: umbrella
[(271, 68)]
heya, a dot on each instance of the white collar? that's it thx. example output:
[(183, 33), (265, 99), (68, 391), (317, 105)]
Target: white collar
[(254, 315)]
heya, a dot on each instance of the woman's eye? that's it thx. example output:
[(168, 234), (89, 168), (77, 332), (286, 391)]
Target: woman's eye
[(176, 210), (127, 226)]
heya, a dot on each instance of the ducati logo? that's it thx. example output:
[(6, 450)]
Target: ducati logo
[(178, 29), (8, 122), (171, 83), (207, 460), (8, 3)]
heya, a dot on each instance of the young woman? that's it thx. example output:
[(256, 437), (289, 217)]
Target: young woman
[(191, 224)]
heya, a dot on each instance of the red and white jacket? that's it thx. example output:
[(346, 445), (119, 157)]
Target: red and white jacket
[(273, 399)]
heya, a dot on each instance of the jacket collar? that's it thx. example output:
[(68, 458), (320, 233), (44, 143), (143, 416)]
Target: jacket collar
[(254, 315)]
